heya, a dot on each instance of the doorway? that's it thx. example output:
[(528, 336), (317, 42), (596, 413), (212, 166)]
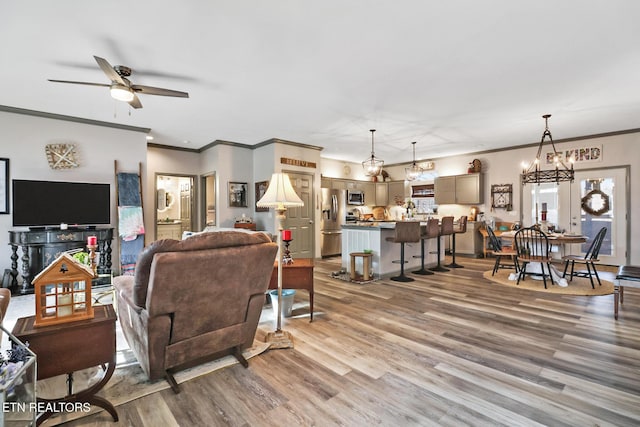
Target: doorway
[(596, 198), (208, 205), (300, 220), (174, 205), (599, 198)]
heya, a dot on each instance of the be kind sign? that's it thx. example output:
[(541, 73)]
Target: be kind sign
[(588, 154)]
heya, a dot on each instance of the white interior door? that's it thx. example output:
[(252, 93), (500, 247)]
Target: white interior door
[(598, 198)]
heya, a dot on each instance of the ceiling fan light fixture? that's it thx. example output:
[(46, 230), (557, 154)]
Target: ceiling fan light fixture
[(372, 166), (414, 171), (121, 93)]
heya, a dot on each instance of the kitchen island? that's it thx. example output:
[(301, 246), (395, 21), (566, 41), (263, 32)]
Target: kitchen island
[(373, 235)]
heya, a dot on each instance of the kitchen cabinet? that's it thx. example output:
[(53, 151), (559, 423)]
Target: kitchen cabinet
[(459, 189), (169, 231), (396, 190), (369, 189), (469, 243), (445, 190), (338, 184), (382, 194), (386, 192)]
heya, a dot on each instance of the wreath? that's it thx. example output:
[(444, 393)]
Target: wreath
[(595, 212)]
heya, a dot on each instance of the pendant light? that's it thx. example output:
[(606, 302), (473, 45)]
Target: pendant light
[(535, 174), (372, 166), (412, 173)]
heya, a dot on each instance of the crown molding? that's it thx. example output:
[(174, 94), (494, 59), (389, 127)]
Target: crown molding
[(74, 119)]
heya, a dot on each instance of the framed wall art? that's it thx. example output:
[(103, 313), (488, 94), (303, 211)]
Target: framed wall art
[(238, 194), (4, 186), (501, 196), (261, 188)]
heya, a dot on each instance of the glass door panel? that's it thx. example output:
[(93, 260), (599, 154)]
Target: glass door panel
[(598, 199)]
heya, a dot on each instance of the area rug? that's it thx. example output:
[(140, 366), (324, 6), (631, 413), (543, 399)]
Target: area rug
[(345, 277), (579, 285), (129, 382)]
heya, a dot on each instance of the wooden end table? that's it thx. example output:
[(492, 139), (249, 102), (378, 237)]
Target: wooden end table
[(366, 265), (69, 347), (298, 275)]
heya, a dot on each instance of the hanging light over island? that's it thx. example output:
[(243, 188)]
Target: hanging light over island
[(372, 166)]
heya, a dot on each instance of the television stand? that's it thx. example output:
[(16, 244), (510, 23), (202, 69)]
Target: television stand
[(41, 246)]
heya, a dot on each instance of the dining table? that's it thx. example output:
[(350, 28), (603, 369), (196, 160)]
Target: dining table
[(560, 240)]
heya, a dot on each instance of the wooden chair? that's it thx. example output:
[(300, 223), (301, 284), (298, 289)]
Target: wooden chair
[(498, 250), (589, 259), (532, 245)]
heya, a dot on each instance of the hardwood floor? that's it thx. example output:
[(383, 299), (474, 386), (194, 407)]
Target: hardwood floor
[(446, 350)]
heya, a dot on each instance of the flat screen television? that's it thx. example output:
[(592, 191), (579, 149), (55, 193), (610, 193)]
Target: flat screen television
[(51, 203)]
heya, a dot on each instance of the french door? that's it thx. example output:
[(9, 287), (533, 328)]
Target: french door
[(598, 198)]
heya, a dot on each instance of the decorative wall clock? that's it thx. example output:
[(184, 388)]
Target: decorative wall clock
[(62, 156)]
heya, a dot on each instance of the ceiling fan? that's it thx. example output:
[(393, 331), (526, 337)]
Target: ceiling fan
[(121, 87)]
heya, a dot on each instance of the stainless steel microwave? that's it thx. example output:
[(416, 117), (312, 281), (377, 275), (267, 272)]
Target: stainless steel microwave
[(355, 197)]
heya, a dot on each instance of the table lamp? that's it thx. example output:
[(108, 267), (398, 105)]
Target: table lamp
[(280, 195)]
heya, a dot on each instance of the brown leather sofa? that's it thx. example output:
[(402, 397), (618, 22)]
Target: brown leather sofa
[(195, 299)]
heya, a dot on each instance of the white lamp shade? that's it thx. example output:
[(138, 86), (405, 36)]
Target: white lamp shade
[(121, 93), (280, 193)]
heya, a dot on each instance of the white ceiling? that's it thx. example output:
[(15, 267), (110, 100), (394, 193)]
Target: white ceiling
[(456, 76)]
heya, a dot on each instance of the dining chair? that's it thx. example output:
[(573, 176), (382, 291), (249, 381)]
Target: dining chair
[(499, 250), (589, 259), (532, 246)]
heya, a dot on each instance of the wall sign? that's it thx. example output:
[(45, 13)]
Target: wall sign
[(296, 162), (584, 154)]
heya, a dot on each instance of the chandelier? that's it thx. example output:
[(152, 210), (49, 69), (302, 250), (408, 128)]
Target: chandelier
[(372, 166), (534, 172), (414, 171)]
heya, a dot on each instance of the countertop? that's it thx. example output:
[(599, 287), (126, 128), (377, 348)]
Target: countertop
[(363, 225), (377, 225)]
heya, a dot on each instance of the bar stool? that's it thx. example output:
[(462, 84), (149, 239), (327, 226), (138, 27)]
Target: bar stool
[(461, 228), (429, 231), (446, 229), (406, 232)]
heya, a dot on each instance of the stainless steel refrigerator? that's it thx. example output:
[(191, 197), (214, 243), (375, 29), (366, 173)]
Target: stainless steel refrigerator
[(333, 216)]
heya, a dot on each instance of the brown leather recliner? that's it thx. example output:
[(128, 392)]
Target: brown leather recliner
[(194, 299)]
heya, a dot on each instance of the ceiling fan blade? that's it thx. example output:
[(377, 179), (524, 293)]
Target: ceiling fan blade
[(79, 83), (109, 71), (150, 90), (135, 102)]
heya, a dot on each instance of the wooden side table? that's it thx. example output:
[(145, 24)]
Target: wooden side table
[(366, 265), (69, 347), (298, 275)]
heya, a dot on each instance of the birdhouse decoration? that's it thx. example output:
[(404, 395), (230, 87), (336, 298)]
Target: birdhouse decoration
[(63, 292)]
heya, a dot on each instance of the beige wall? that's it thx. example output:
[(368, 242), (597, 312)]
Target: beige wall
[(23, 138)]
